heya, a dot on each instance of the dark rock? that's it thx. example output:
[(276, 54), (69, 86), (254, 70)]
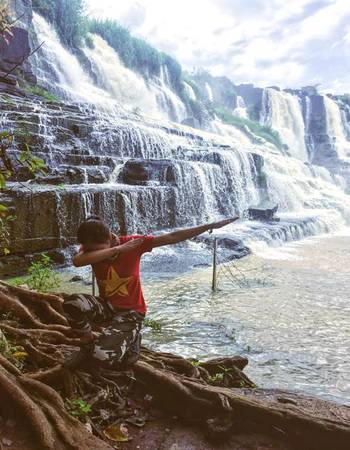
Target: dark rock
[(50, 179), (143, 171), (236, 246), (57, 256), (263, 213), (10, 89), (252, 97), (17, 48), (8, 78), (76, 278), (258, 161)]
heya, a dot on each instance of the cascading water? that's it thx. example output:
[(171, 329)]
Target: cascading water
[(282, 112), (59, 70), (169, 101), (209, 92), (190, 92), (335, 128), (122, 84), (241, 109), (211, 177)]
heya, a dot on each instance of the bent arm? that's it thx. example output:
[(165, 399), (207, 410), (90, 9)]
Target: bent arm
[(86, 258), (188, 233)]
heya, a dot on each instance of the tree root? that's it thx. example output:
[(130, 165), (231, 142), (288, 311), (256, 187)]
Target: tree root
[(216, 393)]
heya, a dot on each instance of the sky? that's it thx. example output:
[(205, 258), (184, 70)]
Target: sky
[(266, 42)]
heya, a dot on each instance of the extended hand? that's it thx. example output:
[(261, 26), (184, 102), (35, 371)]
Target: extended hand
[(223, 223), (130, 245), (114, 240)]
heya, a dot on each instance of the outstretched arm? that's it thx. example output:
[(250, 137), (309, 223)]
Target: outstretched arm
[(182, 235), (86, 258)]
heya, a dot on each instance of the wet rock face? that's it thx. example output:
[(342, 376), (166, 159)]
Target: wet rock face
[(252, 97), (140, 177), (14, 53), (317, 138), (15, 50), (145, 171)]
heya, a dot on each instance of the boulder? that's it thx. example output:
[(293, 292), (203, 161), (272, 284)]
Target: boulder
[(263, 213), (144, 171), (235, 245), (15, 52)]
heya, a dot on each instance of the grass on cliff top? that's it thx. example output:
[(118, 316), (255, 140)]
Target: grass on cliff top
[(41, 92), (254, 127)]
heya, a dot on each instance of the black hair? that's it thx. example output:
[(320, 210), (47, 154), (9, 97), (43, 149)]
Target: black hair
[(93, 231)]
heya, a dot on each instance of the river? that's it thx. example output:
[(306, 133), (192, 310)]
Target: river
[(287, 310)]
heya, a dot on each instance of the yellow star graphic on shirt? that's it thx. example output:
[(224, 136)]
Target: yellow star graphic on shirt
[(114, 284)]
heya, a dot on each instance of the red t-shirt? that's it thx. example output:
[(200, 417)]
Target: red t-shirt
[(119, 279)]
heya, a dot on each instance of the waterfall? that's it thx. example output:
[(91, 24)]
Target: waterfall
[(198, 176), (119, 87), (241, 109), (209, 92), (190, 92), (124, 85), (59, 70), (335, 128), (282, 112), (302, 188), (167, 99)]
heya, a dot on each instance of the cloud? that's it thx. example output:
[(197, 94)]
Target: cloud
[(261, 41), (135, 16)]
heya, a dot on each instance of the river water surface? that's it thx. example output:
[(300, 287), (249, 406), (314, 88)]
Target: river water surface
[(287, 310)]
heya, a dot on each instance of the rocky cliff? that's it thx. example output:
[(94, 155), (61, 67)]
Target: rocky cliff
[(107, 154)]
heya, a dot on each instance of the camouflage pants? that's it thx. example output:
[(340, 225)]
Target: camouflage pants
[(119, 344)]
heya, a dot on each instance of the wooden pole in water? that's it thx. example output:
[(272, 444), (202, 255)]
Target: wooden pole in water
[(93, 284), (214, 280)]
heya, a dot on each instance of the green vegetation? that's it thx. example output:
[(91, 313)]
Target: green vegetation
[(37, 90), (67, 16), (18, 281), (41, 275), (77, 407), (73, 28), (218, 378), (8, 169), (195, 363), (154, 324), (254, 127)]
